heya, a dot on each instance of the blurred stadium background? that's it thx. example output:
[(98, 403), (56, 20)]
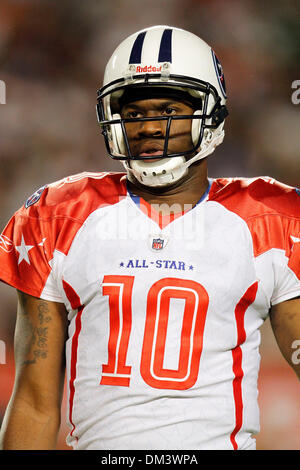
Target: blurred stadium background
[(52, 58)]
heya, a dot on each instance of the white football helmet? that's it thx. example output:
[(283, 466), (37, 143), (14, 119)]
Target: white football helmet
[(167, 60)]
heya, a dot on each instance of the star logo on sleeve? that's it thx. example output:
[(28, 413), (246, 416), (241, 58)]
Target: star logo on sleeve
[(23, 251), (295, 239)]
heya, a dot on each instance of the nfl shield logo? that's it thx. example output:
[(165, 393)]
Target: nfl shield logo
[(157, 244)]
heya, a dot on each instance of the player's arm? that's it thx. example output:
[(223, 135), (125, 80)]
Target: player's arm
[(32, 418), (285, 321)]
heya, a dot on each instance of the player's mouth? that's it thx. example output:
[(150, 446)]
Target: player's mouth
[(152, 153)]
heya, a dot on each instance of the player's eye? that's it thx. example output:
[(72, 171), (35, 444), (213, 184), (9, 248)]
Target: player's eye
[(169, 110), (133, 114)]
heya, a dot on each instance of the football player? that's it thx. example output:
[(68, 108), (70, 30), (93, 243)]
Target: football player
[(153, 282)]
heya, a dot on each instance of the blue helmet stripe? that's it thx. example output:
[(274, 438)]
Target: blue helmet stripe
[(136, 51), (165, 50)]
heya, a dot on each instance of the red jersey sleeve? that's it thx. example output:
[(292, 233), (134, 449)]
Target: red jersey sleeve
[(272, 212), (48, 222), (25, 252)]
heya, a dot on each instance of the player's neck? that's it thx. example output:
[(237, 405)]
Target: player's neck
[(186, 193)]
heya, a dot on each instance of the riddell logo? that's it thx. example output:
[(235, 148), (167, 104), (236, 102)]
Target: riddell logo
[(148, 68)]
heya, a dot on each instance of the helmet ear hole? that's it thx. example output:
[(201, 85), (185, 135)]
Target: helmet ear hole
[(117, 135), (196, 126)]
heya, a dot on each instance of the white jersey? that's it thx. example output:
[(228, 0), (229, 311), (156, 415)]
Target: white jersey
[(163, 346)]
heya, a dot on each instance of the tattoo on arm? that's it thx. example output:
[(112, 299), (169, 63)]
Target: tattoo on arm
[(36, 346)]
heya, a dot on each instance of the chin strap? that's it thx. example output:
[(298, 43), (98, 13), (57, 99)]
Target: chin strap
[(208, 146), (163, 173), (170, 170)]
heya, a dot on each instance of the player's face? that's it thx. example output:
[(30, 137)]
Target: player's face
[(147, 138)]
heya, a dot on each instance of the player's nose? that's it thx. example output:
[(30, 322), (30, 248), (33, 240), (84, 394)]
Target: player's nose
[(152, 128)]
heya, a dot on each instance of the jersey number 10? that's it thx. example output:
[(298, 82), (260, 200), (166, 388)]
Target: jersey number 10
[(117, 371)]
